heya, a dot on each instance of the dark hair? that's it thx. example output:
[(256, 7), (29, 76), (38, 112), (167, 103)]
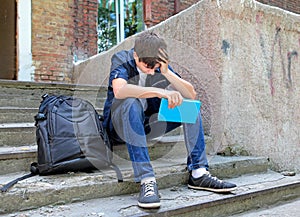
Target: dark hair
[(147, 47)]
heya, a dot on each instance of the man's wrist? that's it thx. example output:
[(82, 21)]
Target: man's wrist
[(167, 72)]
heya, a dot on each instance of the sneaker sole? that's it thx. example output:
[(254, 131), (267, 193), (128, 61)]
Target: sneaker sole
[(149, 205), (223, 190)]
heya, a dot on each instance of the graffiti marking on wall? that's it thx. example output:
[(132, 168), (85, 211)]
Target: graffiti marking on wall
[(225, 47), (289, 76), (277, 40)]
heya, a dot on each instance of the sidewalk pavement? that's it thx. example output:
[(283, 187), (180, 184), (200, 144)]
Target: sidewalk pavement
[(290, 209)]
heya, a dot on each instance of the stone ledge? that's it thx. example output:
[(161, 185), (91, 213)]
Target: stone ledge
[(46, 85), (67, 188)]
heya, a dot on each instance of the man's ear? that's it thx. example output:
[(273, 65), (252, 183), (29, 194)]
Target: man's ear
[(135, 56)]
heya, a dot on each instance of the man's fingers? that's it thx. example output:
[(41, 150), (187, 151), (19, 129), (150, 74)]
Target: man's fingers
[(161, 60), (174, 100), (171, 102), (163, 55)]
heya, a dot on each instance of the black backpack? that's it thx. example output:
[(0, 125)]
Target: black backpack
[(70, 138)]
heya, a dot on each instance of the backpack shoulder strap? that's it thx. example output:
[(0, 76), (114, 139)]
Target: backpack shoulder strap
[(118, 172), (13, 182), (34, 171), (43, 109)]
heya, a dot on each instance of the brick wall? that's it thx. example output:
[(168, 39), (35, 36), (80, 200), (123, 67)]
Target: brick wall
[(60, 30), (290, 5), (156, 11), (185, 4), (85, 23)]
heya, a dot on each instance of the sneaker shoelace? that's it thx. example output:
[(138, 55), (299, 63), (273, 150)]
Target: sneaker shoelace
[(214, 178), (149, 189)]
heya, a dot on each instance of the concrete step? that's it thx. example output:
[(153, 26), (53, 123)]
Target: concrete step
[(16, 159), (254, 191), (17, 115), (13, 132), (170, 171), (19, 158), (28, 94), (24, 134), (17, 134), (282, 208), (22, 115)]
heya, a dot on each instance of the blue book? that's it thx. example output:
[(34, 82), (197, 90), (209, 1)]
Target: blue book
[(186, 112)]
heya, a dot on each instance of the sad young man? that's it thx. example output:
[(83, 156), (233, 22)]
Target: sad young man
[(139, 78)]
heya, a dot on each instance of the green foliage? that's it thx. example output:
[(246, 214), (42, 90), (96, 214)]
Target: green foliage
[(107, 28), (107, 23)]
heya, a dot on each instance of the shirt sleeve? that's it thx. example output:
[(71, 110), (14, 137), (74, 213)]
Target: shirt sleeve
[(118, 68), (172, 70)]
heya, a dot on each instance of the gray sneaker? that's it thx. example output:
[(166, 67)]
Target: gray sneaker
[(210, 183), (149, 197)]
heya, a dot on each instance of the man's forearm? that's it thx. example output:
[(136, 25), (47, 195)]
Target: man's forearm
[(130, 90), (185, 88)]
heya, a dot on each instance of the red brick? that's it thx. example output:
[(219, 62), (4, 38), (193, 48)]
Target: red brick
[(55, 38)]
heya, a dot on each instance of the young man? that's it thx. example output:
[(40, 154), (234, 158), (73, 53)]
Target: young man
[(139, 78)]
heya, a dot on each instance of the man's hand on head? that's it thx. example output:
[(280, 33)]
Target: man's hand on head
[(163, 60)]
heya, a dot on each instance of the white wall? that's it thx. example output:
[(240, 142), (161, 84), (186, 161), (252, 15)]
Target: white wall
[(26, 69)]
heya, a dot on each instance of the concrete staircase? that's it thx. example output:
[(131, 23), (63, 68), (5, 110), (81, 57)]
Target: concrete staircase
[(19, 102), (99, 192)]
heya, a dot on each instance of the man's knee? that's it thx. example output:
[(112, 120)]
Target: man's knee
[(128, 118), (127, 105), (129, 109)]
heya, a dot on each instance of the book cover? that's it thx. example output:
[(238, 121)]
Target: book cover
[(186, 112)]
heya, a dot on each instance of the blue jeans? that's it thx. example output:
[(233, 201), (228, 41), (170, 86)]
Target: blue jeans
[(130, 124)]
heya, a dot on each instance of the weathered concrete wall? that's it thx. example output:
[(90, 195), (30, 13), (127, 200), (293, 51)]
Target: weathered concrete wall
[(260, 82), (242, 56)]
